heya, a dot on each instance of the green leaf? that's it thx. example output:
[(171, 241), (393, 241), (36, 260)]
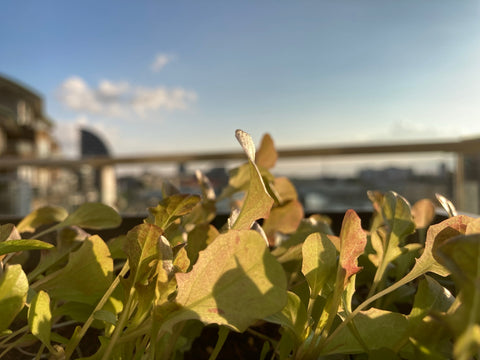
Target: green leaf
[(319, 261), (165, 284), (42, 216), (430, 296), (467, 345), (234, 273), (92, 216), (87, 275), (74, 310), (13, 294), (398, 218), (107, 316), (293, 316), (436, 235), (258, 202), (198, 239), (172, 208), (67, 242), (313, 224), (141, 248), (40, 317), (377, 328), (461, 255), (397, 214), (12, 246)]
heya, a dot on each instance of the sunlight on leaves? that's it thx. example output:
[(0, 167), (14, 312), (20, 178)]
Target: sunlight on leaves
[(447, 205), (87, 275), (461, 255), (377, 328), (12, 246), (142, 249), (319, 261), (435, 235), (246, 143), (234, 273), (258, 202), (13, 293), (93, 216), (40, 317), (42, 216), (172, 208), (293, 316)]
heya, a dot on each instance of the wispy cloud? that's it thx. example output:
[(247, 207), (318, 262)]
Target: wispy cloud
[(121, 99), (161, 60)]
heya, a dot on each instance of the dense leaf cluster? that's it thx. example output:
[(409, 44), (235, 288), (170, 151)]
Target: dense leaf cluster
[(403, 289)]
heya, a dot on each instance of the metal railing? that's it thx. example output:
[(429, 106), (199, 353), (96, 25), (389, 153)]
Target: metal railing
[(462, 149)]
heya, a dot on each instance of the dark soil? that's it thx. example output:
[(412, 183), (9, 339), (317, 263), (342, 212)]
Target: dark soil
[(238, 346)]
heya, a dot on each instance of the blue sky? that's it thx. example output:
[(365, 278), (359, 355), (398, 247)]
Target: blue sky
[(172, 76)]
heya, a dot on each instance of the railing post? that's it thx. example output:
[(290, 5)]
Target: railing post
[(460, 182), (108, 185)]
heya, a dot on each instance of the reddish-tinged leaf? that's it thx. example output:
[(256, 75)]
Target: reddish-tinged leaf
[(352, 243), (284, 219), (285, 189), (266, 155), (423, 212), (436, 234)]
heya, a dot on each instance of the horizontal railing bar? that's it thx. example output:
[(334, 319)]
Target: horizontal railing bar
[(463, 147)]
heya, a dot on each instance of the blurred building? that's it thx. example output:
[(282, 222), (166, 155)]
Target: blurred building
[(91, 179), (25, 132)]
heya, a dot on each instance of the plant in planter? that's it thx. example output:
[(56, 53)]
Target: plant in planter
[(403, 289)]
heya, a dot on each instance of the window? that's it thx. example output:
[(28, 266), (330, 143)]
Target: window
[(23, 113)]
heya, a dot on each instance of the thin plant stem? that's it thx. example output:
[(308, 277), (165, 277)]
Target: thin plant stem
[(101, 303), (405, 280), (222, 337), (14, 334), (120, 325)]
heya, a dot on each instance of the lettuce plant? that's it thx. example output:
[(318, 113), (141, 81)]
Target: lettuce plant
[(400, 288)]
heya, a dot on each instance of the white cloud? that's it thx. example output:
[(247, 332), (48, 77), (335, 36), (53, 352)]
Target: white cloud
[(111, 90), (77, 95), (121, 99), (160, 61), (146, 99)]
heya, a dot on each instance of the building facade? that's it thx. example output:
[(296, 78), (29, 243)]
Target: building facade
[(25, 132)]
